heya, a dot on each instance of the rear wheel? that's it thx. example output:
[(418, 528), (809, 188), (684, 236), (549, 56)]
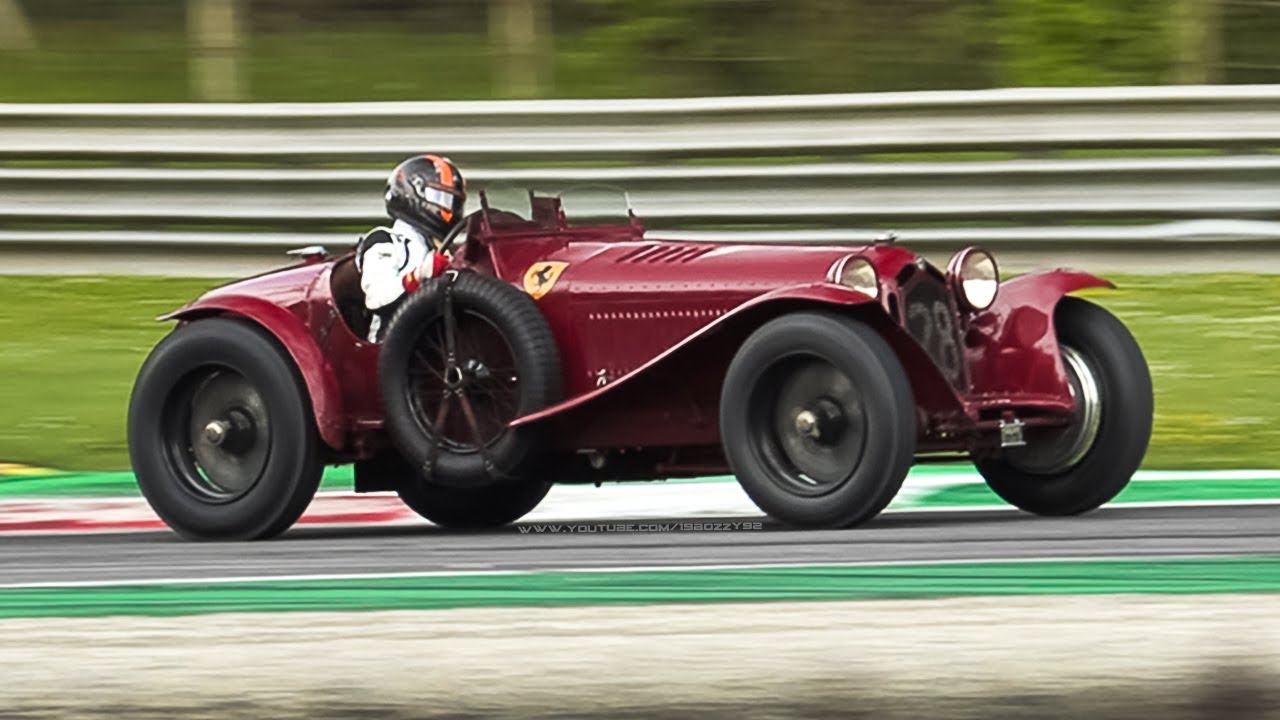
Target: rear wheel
[(818, 420), (489, 506), (474, 508), (1074, 469), (221, 435)]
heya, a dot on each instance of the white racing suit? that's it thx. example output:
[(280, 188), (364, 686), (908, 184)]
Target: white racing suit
[(393, 262)]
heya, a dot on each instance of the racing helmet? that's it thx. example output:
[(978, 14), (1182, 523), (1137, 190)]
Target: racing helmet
[(428, 192)]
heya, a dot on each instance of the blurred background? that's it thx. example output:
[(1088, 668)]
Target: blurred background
[(313, 50), (1136, 139)]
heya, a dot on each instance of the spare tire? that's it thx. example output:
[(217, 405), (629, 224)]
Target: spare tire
[(461, 358)]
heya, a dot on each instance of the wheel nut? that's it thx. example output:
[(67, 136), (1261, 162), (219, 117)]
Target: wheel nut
[(216, 432), (807, 424)]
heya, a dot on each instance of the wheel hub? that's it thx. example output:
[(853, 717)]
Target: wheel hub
[(223, 432), (453, 377), (463, 383), (812, 425)]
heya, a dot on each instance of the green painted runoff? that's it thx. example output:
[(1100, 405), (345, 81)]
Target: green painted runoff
[(558, 589)]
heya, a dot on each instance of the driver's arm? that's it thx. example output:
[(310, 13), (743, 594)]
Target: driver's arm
[(434, 264)]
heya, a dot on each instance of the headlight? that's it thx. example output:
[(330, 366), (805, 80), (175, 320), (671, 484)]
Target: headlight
[(976, 278), (857, 273)]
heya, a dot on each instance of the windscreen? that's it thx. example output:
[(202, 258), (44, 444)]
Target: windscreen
[(581, 204)]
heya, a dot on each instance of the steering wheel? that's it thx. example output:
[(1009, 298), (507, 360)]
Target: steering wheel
[(457, 230)]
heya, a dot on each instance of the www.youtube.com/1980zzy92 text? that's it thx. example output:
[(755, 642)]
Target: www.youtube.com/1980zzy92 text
[(730, 526)]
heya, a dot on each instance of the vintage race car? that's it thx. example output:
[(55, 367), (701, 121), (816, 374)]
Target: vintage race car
[(557, 352)]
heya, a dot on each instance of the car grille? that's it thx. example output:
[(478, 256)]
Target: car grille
[(930, 316)]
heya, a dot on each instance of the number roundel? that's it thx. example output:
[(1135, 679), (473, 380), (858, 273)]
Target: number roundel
[(948, 350), (933, 326)]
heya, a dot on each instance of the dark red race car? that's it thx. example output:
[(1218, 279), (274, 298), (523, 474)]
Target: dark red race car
[(555, 352)]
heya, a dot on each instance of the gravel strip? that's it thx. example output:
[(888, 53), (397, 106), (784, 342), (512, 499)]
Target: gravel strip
[(1214, 656)]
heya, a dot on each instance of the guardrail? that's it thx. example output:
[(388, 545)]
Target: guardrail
[(1152, 166)]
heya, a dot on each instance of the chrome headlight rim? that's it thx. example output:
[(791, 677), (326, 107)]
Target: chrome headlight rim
[(846, 271), (960, 275)]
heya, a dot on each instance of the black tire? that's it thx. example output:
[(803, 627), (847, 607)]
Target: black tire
[(474, 508), (1059, 474), (260, 479), (846, 375), (496, 325)]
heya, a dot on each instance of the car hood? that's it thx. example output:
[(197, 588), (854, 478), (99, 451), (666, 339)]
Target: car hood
[(708, 266)]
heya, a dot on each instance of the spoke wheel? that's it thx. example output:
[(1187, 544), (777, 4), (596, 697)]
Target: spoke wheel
[(463, 383), (463, 357)]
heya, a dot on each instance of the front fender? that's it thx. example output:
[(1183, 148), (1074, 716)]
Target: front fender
[(289, 330), (1012, 347), (1047, 287)]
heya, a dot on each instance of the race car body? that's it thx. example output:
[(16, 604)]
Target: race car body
[(553, 351)]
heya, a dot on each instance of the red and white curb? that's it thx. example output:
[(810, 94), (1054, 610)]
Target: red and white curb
[(565, 503), (28, 516)]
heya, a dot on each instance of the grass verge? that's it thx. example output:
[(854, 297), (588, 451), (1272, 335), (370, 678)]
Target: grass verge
[(72, 346)]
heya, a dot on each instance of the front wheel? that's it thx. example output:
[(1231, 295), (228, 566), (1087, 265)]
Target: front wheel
[(818, 420), (1078, 468), (221, 434)]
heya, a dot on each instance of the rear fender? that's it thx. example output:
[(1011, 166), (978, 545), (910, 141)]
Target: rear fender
[(1012, 347), (291, 333)]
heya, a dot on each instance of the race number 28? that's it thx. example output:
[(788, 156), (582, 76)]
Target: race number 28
[(936, 332)]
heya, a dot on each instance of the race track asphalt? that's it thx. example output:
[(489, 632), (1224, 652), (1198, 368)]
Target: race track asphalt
[(894, 537)]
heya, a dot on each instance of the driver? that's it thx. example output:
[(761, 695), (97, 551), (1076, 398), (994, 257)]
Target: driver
[(424, 196)]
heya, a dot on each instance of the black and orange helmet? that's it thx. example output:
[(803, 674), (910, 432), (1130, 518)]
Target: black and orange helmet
[(428, 192)]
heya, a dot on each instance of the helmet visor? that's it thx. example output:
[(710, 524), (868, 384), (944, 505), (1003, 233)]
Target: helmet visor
[(436, 196)]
